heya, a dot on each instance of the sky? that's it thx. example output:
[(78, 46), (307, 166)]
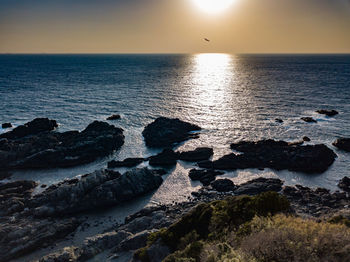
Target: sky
[(174, 26)]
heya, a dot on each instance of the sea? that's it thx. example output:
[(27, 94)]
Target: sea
[(232, 97)]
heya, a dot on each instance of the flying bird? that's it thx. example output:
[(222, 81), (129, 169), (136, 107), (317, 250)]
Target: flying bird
[(206, 39)]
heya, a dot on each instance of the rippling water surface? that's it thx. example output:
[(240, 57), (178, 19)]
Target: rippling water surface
[(231, 97)]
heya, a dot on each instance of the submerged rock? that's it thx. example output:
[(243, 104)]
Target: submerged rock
[(113, 117), (34, 127), (128, 162), (166, 158), (327, 112), (44, 149), (223, 185), (278, 155), (199, 154), (164, 132), (344, 184), (95, 190), (308, 119), (343, 144), (6, 125), (278, 120)]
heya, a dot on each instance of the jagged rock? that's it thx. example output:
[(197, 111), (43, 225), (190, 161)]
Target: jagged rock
[(164, 132), (328, 112), (113, 117), (34, 127), (98, 189), (259, 185), (128, 162), (344, 184), (25, 235), (343, 144), (199, 154), (223, 185), (308, 119), (44, 149), (204, 176), (166, 158), (135, 241), (6, 125), (278, 155)]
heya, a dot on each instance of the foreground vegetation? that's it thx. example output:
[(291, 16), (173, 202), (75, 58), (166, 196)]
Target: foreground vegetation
[(251, 229)]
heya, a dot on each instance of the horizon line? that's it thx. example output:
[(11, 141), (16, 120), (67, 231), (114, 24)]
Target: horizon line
[(178, 53)]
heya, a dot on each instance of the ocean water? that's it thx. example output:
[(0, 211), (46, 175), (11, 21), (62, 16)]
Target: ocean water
[(232, 97)]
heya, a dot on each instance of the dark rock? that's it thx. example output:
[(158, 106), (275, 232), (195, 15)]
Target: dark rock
[(343, 144), (204, 176), (306, 139), (113, 117), (308, 119), (328, 112), (128, 162), (53, 149), (164, 132), (223, 185), (344, 184), (166, 158), (34, 127), (101, 188), (278, 120), (259, 185), (4, 174), (278, 155), (199, 154), (6, 125)]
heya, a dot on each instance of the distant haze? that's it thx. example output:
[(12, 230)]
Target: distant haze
[(173, 26)]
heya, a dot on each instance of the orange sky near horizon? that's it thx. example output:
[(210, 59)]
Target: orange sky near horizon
[(174, 26)]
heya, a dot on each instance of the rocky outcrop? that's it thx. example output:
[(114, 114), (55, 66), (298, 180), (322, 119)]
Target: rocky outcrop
[(95, 190), (223, 185), (343, 144), (308, 119), (128, 162), (6, 125), (278, 155), (204, 176), (344, 184), (44, 149), (166, 158), (164, 132), (199, 154), (34, 127), (113, 117), (259, 185), (327, 112)]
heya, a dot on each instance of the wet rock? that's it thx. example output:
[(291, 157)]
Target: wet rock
[(199, 154), (164, 132), (278, 120), (223, 185), (6, 125), (52, 149), (113, 117), (344, 184), (34, 127), (128, 162), (259, 185), (308, 119), (278, 155), (343, 144), (328, 112), (166, 158), (101, 188), (205, 176), (306, 139)]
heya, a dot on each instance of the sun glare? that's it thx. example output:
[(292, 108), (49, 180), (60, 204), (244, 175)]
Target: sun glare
[(213, 6)]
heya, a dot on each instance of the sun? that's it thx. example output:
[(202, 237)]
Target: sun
[(213, 6)]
